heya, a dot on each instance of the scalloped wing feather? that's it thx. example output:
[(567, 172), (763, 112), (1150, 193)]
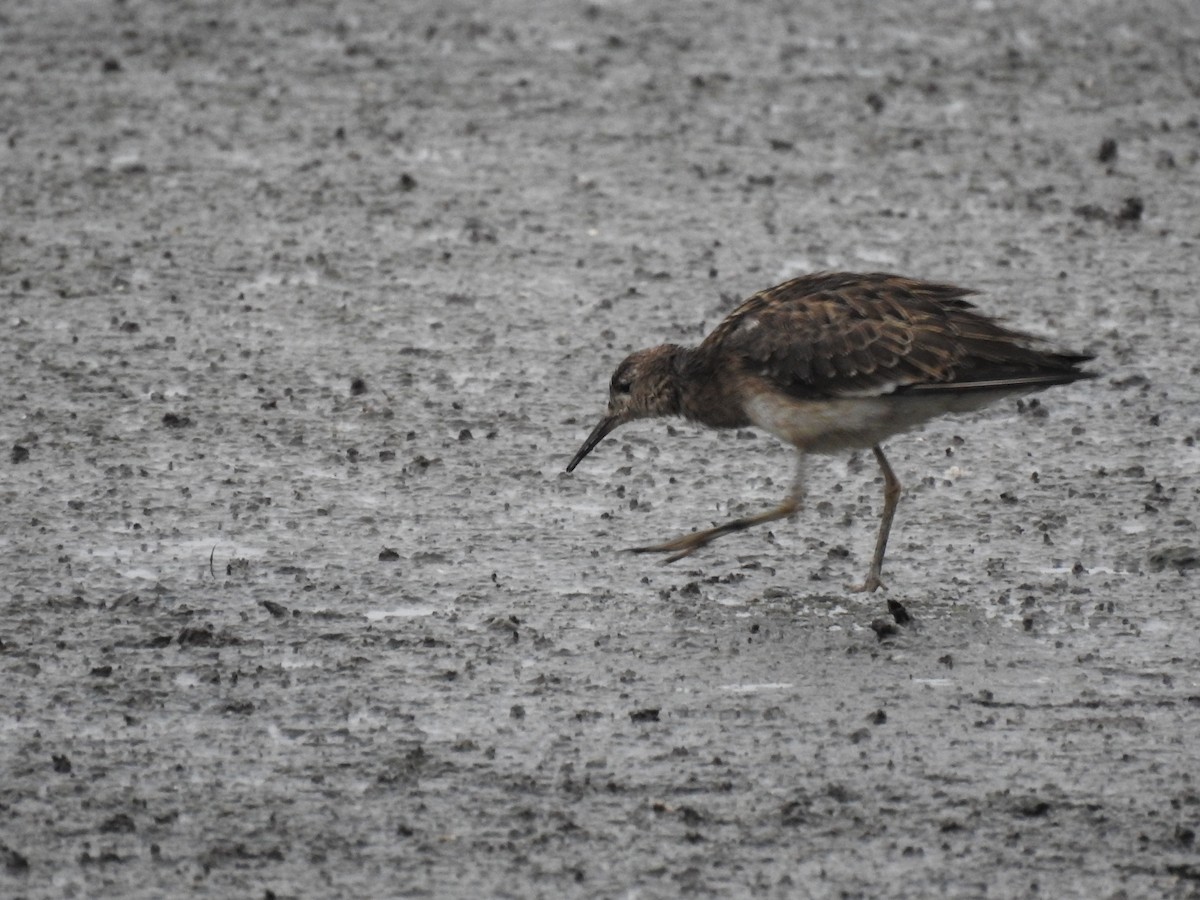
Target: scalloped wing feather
[(839, 334)]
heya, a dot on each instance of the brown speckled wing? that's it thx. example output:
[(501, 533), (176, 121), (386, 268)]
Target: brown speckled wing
[(839, 334)]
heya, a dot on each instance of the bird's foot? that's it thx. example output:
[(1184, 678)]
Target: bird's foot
[(869, 586), (679, 547)]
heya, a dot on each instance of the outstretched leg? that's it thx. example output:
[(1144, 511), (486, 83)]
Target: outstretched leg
[(891, 496), (690, 543)]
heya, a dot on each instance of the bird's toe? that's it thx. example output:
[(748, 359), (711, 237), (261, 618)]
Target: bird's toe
[(869, 586)]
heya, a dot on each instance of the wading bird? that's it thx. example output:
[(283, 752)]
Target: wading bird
[(833, 362)]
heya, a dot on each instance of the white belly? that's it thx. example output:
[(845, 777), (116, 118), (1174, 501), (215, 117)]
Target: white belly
[(848, 423)]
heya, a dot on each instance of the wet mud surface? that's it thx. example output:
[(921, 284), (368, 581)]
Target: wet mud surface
[(307, 306)]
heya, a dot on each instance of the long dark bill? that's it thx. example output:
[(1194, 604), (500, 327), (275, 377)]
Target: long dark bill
[(607, 424)]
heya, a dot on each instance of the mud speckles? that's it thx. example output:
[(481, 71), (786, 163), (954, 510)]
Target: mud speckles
[(1131, 211), (1127, 214), (510, 625), (795, 813), (405, 767), (176, 420), (1180, 558), (421, 463), (1031, 808), (884, 630), (645, 716), (196, 636), (121, 823), (19, 454), (238, 567), (899, 613), (1184, 871), (15, 862), (1093, 212), (260, 725)]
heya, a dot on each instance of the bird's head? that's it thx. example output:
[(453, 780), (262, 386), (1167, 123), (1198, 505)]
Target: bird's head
[(643, 386)]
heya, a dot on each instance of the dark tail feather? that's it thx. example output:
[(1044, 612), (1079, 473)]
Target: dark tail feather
[(1060, 368)]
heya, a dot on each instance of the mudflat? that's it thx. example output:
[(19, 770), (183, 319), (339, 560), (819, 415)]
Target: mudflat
[(306, 307)]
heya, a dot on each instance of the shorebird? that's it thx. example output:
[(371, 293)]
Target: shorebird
[(833, 362)]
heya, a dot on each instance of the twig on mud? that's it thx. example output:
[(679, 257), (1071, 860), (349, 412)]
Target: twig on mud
[(210, 562)]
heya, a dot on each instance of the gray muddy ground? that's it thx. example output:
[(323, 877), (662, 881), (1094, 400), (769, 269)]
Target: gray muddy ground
[(305, 308)]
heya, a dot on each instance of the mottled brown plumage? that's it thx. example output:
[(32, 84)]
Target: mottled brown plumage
[(829, 362)]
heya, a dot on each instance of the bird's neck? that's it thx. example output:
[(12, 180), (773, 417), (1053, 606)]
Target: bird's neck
[(706, 395), (666, 376)]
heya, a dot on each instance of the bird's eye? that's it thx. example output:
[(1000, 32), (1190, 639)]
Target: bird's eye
[(622, 387)]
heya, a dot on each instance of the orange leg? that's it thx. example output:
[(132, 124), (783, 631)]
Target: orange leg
[(688, 544), (891, 497)]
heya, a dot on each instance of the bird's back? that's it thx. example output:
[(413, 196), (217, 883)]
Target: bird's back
[(847, 335)]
